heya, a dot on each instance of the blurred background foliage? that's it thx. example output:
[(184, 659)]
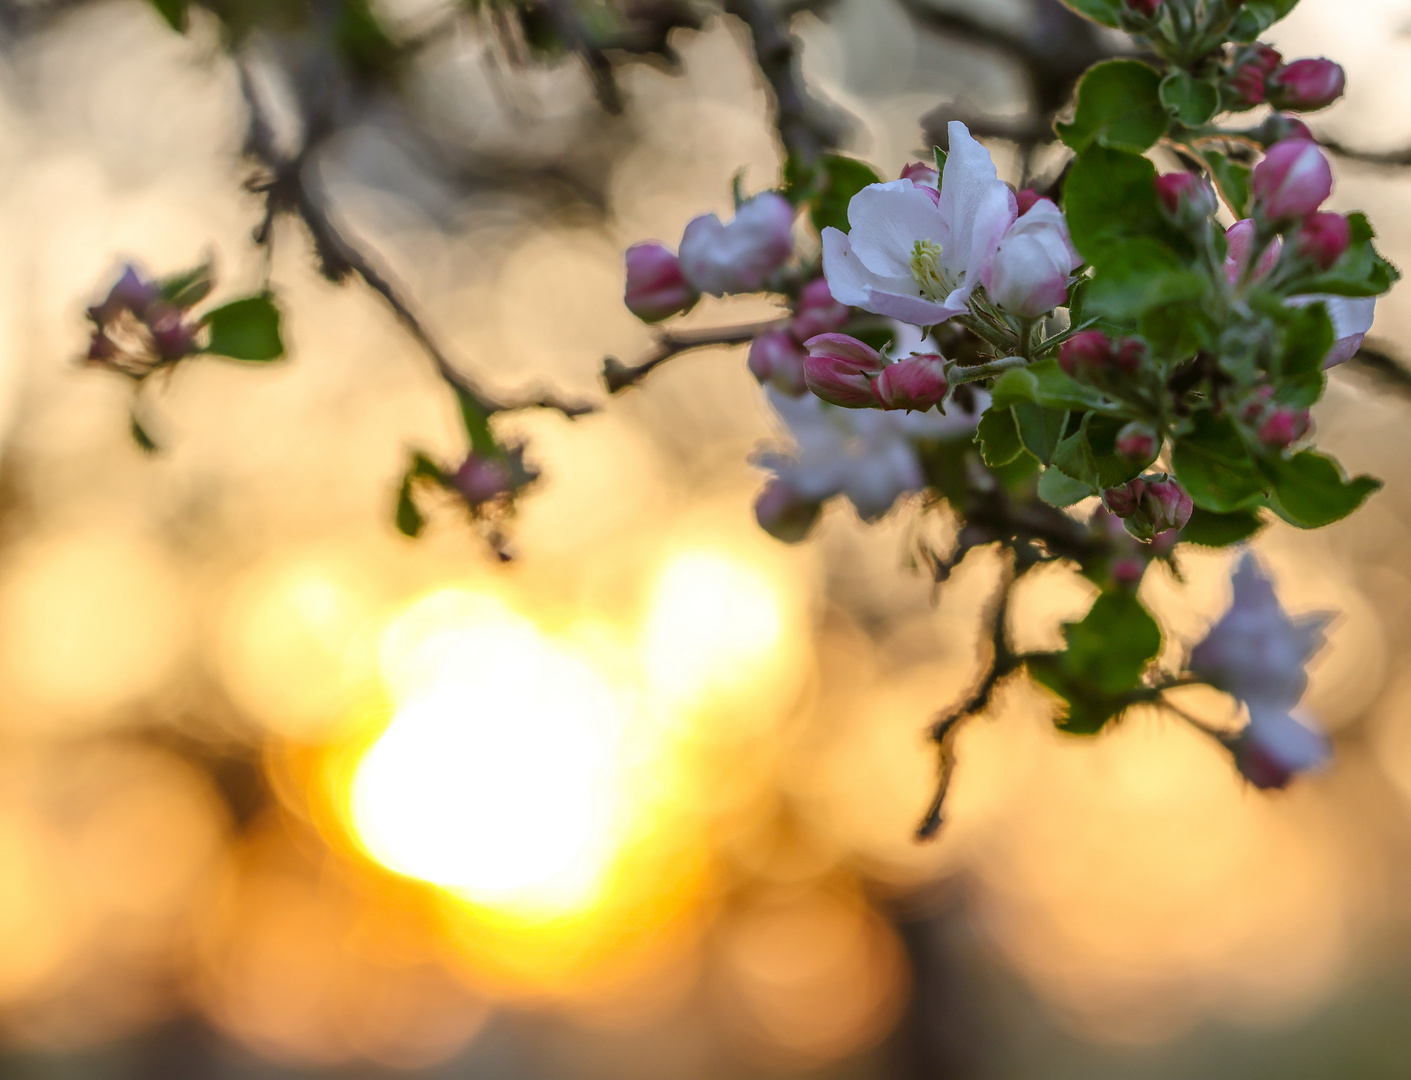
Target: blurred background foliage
[(285, 794)]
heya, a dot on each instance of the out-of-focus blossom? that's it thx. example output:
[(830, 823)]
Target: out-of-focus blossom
[(817, 312), (1292, 180), (717, 258), (926, 179), (1138, 441), (1351, 316), (481, 479), (1282, 426), (778, 360), (1307, 85), (915, 383), (656, 287), (840, 369), (868, 455), (1031, 268), (1086, 353), (136, 329), (1185, 197), (1256, 653), (1146, 8), (783, 513), (912, 259), (1323, 238)]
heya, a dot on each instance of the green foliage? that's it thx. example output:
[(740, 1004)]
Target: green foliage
[(1256, 16), (176, 12), (1040, 429), (1231, 180), (998, 437), (476, 419), (1106, 12), (188, 288), (1057, 488), (1119, 106), (247, 329), (1310, 490), (1214, 466), (1209, 529), (1100, 671), (1189, 100), (409, 519), (827, 188)]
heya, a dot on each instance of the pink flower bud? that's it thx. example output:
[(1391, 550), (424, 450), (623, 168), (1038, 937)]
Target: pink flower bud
[(1239, 239), (1146, 8), (1258, 401), (480, 479), (1282, 427), (1185, 196), (1167, 504), (1128, 570), (172, 337), (1323, 237), (1292, 181), (131, 292), (737, 258), (1025, 199), (926, 179), (101, 348), (1281, 126), (1138, 441), (783, 513), (1086, 353), (1126, 500), (777, 359), (1246, 83), (1307, 85), (1265, 57), (914, 384), (840, 370), (817, 312), (656, 287), (1129, 355)]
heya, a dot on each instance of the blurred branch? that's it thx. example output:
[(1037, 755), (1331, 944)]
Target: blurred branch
[(1387, 159), (292, 190), (564, 16), (1002, 662), (804, 128), (618, 376), (1376, 360)]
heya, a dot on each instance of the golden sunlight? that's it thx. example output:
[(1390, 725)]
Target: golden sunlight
[(497, 778)]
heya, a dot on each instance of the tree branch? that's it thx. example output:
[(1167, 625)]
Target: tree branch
[(1387, 159), (618, 376), (1375, 358)]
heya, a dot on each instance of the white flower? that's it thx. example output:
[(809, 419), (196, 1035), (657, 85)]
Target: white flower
[(918, 260), (1257, 653), (868, 455), (1030, 272), (736, 258)]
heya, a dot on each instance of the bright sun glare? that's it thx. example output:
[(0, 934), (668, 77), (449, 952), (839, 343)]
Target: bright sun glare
[(502, 776)]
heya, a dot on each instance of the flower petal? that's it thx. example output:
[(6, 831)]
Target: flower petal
[(887, 220)]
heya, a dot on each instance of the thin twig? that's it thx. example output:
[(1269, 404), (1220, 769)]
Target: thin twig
[(1387, 159), (296, 188), (1376, 359), (947, 725), (618, 376)]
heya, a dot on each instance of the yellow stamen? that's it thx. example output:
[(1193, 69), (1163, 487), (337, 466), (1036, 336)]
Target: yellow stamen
[(926, 269)]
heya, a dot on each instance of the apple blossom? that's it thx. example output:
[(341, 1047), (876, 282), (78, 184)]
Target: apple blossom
[(909, 258), (777, 359), (1086, 353), (737, 258), (656, 287), (1276, 746), (1307, 85), (1282, 426), (783, 513), (1032, 266)]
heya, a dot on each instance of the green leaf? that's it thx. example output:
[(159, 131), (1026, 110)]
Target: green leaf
[(1059, 489), (998, 437), (1214, 466), (840, 179), (189, 287), (476, 418), (1109, 199), (175, 12), (1119, 106), (1310, 490), (1360, 271), (1308, 335), (1141, 275), (1232, 180), (1112, 645), (409, 519), (1014, 386), (1190, 100), (1106, 12), (1221, 530), (1056, 389), (1178, 331), (1256, 16), (246, 329), (1040, 429), (1075, 457)]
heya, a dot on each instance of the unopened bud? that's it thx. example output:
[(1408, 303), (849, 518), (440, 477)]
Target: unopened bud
[(1130, 355), (130, 293), (1126, 500), (783, 513), (1283, 426), (1024, 200), (1307, 85), (1128, 570), (1281, 126), (1292, 181), (777, 360), (1323, 238), (1145, 8), (1185, 197), (1138, 441), (916, 383), (480, 479), (172, 337), (1167, 504), (656, 288), (817, 312), (1086, 353), (926, 179), (840, 370)]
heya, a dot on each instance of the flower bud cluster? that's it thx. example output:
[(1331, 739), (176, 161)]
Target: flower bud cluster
[(1258, 76), (136, 329), (1094, 357), (777, 356), (1150, 505), (849, 373)]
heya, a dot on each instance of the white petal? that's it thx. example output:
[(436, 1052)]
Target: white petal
[(1294, 745), (974, 203), (887, 220)]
